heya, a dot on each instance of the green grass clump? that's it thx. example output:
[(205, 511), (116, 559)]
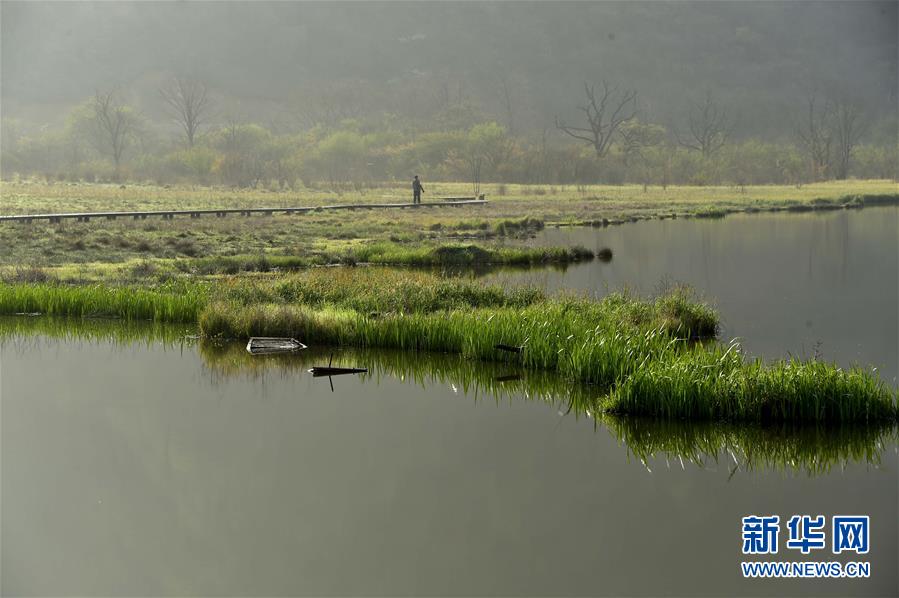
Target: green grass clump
[(375, 290), (518, 227), (375, 253), (325, 326), (465, 254), (181, 303), (710, 212), (595, 342), (249, 263), (366, 290), (718, 384)]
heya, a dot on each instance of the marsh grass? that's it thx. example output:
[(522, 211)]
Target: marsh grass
[(374, 291), (24, 196), (643, 357), (638, 354), (718, 383), (466, 254), (430, 255), (710, 212), (517, 214), (391, 253), (595, 342), (174, 303)]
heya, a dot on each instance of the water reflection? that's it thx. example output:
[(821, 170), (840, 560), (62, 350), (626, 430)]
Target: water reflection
[(21, 331), (222, 474), (813, 450), (809, 449), (478, 380)]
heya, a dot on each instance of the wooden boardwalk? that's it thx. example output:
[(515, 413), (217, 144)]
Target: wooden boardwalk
[(222, 212)]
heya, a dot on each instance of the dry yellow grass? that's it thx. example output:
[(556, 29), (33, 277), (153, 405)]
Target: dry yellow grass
[(102, 241), (507, 199)]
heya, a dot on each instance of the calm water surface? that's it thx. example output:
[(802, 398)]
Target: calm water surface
[(139, 467), (148, 468), (786, 284)]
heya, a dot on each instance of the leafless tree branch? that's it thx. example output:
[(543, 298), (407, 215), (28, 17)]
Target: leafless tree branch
[(814, 133), (188, 101), (709, 127), (605, 114), (115, 123)]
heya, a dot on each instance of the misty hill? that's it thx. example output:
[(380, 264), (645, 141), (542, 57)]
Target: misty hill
[(523, 63)]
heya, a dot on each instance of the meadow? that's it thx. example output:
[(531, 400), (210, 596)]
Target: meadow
[(512, 213), (557, 201)]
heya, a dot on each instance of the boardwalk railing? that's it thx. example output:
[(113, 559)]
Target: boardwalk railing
[(222, 212)]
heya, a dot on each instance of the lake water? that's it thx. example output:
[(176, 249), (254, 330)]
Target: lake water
[(133, 464), (786, 284), (145, 467)]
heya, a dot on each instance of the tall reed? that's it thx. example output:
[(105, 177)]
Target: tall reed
[(180, 303), (717, 383)]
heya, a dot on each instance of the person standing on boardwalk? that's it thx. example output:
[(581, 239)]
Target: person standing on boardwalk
[(417, 190)]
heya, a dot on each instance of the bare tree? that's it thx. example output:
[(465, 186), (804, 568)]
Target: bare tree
[(848, 128), (709, 127), (116, 125), (814, 132), (605, 114), (474, 164), (188, 101)]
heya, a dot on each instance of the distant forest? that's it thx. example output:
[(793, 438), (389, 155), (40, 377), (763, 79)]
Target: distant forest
[(347, 95)]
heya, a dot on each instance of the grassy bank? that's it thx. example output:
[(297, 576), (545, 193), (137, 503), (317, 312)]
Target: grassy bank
[(171, 303), (593, 342), (513, 211), (454, 255), (35, 196), (637, 354), (467, 255), (721, 384)]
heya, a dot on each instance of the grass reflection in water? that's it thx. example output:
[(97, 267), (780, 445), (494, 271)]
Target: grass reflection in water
[(809, 449)]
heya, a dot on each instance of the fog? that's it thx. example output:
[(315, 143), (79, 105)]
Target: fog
[(290, 67)]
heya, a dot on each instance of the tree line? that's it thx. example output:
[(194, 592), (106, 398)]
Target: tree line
[(340, 146)]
